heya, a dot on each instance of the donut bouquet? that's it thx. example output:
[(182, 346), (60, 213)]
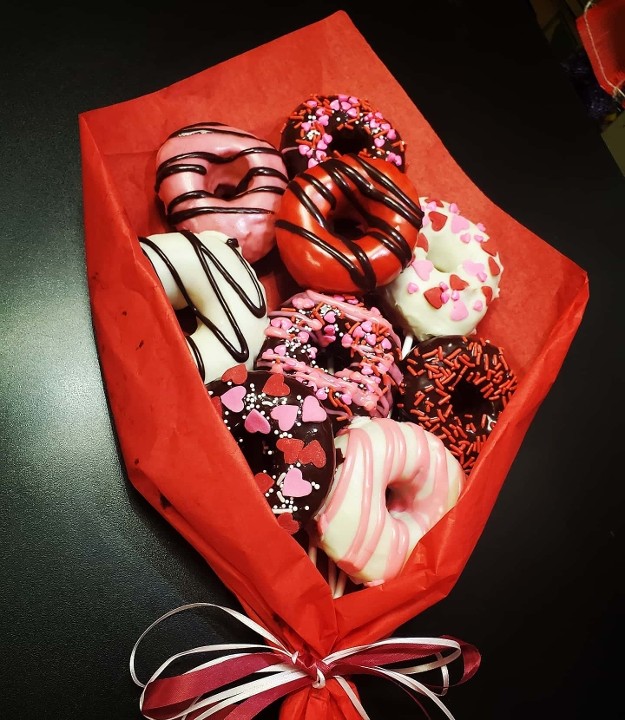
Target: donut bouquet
[(318, 335)]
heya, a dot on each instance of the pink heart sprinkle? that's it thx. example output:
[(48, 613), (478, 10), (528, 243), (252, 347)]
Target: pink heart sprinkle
[(303, 336), (379, 141), (473, 268), (322, 394), (454, 208), (276, 322), (335, 105), (367, 326), (478, 305), (423, 268), (459, 223), (391, 134), (466, 238), (481, 227), (398, 161), (311, 103), (346, 105), (306, 126), (280, 350), (321, 145), (371, 338), (329, 317), (312, 410), (256, 422), (303, 149), (385, 126), (459, 311), (352, 112), (294, 484), (386, 344), (347, 340), (366, 370), (323, 120), (444, 297), (412, 288), (326, 138), (286, 415), (233, 398), (358, 332)]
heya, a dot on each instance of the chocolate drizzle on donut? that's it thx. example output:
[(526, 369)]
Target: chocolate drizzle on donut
[(182, 163), (213, 268), (456, 387), (354, 184)]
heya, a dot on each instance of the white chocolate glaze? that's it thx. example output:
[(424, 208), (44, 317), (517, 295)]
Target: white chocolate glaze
[(396, 481), (452, 278), (207, 274)]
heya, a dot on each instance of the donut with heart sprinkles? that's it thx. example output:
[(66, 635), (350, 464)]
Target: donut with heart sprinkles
[(285, 435)]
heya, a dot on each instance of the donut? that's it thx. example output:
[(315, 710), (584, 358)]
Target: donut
[(325, 126), (456, 388), (219, 302), (210, 176), (284, 434), (348, 225), (393, 482), (452, 278), (345, 351)]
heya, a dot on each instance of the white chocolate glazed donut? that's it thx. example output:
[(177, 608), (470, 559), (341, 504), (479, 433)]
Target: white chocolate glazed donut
[(453, 277), (206, 275), (211, 176), (396, 481)]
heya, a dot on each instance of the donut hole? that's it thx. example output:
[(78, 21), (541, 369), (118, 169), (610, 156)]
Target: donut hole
[(396, 500), (346, 222), (350, 140), (187, 320), (334, 358), (468, 400), (225, 191)]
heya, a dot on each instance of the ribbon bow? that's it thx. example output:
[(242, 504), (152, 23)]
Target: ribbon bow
[(222, 688)]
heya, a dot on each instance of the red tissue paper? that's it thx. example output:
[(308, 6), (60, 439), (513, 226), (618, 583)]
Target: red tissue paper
[(174, 444)]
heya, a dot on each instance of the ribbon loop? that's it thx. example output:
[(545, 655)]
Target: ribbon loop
[(240, 685)]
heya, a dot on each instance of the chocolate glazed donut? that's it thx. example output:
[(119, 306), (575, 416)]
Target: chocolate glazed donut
[(284, 434), (348, 225)]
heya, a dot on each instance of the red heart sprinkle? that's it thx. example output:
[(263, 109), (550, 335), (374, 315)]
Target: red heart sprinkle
[(217, 404), (264, 481), (457, 283), (433, 296), (286, 522), (291, 449), (489, 246), (438, 220), (275, 386), (488, 293), (493, 266), (237, 374), (422, 242), (313, 453)]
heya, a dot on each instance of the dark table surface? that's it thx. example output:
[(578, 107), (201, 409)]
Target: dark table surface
[(87, 565)]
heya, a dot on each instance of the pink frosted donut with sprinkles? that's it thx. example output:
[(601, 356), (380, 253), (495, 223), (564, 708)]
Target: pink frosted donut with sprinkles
[(326, 126), (347, 352), (393, 482), (452, 279)]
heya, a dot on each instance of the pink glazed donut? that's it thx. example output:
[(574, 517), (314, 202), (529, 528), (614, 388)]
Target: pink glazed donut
[(396, 481), (210, 176)]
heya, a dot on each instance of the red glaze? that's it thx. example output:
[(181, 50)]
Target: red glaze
[(348, 225)]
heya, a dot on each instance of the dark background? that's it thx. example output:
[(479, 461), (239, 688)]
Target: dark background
[(87, 565)]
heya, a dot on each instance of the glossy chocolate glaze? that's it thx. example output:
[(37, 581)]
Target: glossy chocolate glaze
[(276, 446)]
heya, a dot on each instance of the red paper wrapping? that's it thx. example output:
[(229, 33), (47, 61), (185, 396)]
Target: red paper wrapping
[(173, 443)]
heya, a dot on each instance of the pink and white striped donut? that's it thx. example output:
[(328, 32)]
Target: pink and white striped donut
[(395, 482)]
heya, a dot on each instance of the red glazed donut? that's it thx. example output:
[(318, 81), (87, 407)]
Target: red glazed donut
[(313, 332), (456, 387), (325, 126), (284, 434), (348, 225), (210, 176)]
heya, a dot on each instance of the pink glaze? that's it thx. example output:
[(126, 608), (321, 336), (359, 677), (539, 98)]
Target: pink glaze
[(368, 537), (210, 176)]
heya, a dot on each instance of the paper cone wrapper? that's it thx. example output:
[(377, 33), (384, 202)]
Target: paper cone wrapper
[(176, 450)]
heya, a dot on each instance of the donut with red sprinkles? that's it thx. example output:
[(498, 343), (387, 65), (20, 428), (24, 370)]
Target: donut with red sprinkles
[(456, 387), (326, 126)]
